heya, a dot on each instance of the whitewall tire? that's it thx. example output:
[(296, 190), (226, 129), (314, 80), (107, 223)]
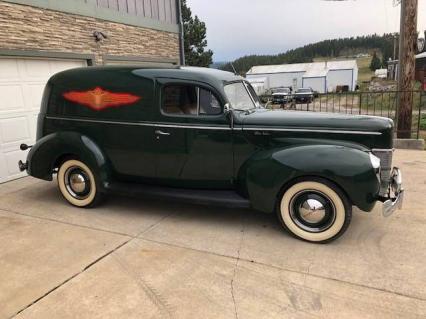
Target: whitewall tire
[(315, 211), (77, 183)]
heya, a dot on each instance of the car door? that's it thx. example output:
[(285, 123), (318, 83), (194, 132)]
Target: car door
[(194, 137)]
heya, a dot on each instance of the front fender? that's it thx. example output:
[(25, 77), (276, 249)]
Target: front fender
[(48, 150), (265, 174)]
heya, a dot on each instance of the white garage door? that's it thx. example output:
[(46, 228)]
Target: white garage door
[(22, 82)]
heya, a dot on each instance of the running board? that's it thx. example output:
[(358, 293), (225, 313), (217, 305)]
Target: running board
[(226, 198)]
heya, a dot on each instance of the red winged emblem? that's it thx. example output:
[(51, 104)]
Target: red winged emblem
[(99, 99)]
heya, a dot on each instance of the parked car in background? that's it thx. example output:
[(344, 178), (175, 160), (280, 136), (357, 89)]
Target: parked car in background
[(316, 94), (303, 95), (282, 95), (200, 135)]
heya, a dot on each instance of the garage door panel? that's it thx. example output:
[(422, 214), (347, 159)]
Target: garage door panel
[(32, 119), (11, 97), (11, 169), (33, 94), (36, 69), (14, 129), (12, 159), (22, 82), (59, 66), (9, 70), (3, 168)]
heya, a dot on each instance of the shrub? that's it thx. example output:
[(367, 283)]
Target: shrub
[(423, 122)]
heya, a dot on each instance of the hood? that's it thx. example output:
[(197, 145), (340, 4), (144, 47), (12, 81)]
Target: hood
[(280, 93), (344, 125), (303, 93)]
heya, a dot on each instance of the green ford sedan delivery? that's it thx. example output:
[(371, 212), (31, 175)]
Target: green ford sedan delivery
[(202, 135)]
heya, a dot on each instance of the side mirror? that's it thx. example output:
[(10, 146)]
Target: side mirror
[(227, 108)]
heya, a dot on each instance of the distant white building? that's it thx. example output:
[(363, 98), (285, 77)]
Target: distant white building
[(381, 73), (320, 76), (260, 84)]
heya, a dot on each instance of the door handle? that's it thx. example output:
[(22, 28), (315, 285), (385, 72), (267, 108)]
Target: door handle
[(159, 132)]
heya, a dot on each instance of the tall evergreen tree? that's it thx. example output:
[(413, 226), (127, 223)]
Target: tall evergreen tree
[(195, 42), (375, 63)]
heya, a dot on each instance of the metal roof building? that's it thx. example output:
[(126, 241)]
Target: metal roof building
[(320, 76)]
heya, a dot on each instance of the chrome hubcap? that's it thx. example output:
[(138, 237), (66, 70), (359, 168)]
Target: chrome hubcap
[(312, 211), (77, 182)]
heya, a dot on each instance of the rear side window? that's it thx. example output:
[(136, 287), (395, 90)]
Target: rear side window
[(103, 95), (181, 99)]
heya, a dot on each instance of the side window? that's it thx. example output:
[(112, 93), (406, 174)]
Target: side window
[(181, 99), (209, 105)]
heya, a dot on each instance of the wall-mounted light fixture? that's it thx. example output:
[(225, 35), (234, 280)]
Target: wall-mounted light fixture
[(99, 36)]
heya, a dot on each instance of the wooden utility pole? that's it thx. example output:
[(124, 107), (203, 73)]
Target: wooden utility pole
[(407, 65)]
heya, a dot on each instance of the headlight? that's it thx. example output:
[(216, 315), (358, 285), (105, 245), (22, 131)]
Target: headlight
[(375, 162)]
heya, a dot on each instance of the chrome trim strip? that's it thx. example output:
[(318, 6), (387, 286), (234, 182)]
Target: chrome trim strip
[(222, 128), (310, 130), (217, 128), (95, 121), (383, 150)]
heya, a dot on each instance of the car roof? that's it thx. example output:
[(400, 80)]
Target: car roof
[(213, 77)]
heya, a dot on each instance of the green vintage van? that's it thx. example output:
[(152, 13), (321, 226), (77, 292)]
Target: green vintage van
[(202, 135)]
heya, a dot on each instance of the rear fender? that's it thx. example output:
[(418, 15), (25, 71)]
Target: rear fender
[(44, 155), (265, 175)]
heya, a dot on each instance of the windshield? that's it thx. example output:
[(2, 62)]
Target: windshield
[(238, 96), (304, 91), (282, 90), (254, 95)]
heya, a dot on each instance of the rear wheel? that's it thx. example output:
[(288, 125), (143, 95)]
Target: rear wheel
[(315, 211), (78, 184)]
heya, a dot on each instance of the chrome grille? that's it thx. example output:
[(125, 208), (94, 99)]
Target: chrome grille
[(386, 169)]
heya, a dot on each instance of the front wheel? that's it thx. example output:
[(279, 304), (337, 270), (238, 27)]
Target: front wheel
[(78, 184), (315, 211)]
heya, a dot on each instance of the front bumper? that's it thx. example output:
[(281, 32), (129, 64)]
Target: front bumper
[(392, 203), (281, 100)]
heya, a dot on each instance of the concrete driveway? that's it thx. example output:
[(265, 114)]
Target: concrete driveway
[(133, 258)]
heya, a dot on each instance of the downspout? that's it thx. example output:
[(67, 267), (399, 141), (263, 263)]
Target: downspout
[(181, 38), (325, 84)]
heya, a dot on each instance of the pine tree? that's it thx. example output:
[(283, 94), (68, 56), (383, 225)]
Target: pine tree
[(195, 39), (375, 63)]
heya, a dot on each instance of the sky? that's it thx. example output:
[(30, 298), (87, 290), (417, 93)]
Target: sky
[(240, 27)]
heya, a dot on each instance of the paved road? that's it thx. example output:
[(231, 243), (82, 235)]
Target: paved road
[(136, 259)]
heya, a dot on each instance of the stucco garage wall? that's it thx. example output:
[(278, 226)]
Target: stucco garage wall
[(34, 29)]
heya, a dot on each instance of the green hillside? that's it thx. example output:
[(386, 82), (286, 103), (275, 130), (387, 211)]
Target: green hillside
[(345, 47)]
